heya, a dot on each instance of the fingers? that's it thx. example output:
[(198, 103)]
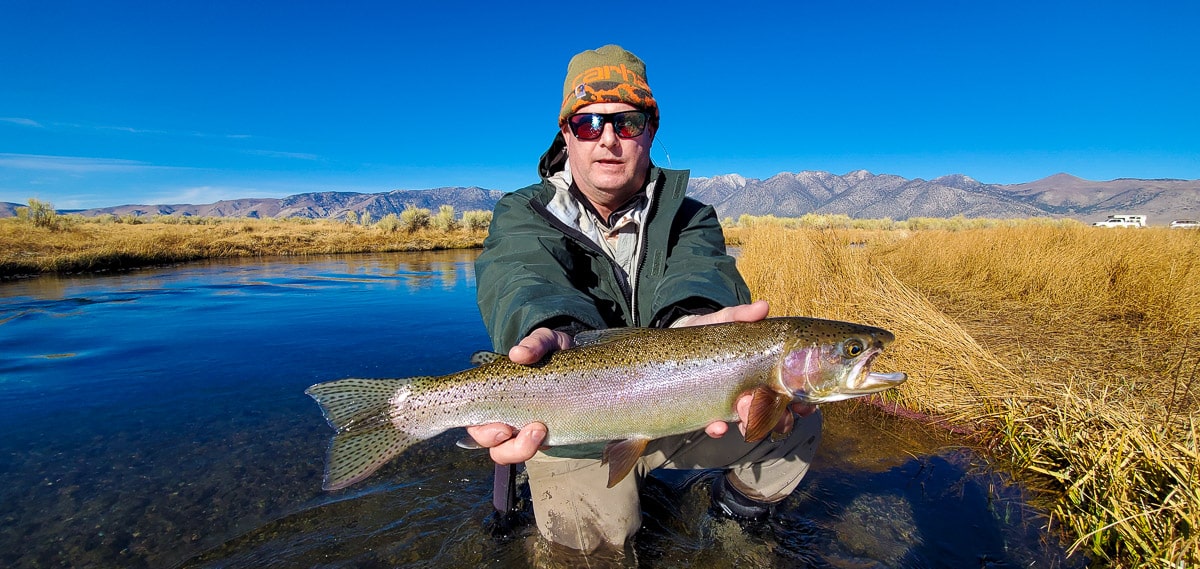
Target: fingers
[(741, 313), (504, 447), (718, 429), (803, 409), (537, 344)]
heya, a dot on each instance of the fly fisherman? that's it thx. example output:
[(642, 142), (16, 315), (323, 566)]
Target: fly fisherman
[(609, 240)]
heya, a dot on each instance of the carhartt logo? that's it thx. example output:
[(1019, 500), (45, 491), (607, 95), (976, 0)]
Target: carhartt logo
[(606, 73)]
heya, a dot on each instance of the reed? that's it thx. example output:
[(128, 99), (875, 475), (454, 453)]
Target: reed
[(1066, 351)]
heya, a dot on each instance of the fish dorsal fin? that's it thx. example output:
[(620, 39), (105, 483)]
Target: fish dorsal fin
[(484, 357), (594, 337), (621, 457), (766, 408)]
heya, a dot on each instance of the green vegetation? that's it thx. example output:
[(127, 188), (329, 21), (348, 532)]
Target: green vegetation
[(1067, 352)]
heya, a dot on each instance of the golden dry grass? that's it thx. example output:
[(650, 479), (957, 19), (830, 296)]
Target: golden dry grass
[(91, 246), (1069, 352)]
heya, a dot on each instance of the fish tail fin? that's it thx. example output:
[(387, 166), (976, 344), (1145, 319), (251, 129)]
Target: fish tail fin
[(361, 411)]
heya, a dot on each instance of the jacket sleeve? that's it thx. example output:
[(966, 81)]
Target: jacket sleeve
[(697, 274), (522, 277)]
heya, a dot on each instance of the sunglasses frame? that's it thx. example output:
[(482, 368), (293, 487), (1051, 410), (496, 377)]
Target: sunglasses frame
[(605, 118)]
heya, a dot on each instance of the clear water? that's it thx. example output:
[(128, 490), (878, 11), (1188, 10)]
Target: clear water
[(156, 418)]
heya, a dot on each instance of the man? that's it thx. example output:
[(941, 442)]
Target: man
[(608, 240)]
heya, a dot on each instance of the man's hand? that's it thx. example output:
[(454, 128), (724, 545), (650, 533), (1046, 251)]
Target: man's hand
[(505, 444), (745, 313)]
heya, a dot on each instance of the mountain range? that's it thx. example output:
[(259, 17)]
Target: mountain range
[(859, 194)]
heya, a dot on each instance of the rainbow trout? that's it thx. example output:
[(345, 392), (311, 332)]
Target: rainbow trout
[(625, 385)]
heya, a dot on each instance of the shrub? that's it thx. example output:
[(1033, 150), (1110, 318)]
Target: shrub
[(390, 223), (414, 218), (40, 213), (444, 220), (477, 220)]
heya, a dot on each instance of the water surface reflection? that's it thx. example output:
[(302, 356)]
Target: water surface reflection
[(157, 418)]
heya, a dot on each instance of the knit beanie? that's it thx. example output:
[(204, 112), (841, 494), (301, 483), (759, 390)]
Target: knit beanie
[(606, 75)]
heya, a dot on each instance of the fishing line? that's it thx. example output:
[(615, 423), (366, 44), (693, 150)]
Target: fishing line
[(658, 142)]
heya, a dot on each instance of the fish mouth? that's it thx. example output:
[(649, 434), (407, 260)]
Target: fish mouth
[(870, 382)]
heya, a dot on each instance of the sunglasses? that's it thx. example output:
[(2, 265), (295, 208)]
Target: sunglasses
[(626, 124)]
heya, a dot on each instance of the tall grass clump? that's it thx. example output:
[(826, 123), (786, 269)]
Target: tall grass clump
[(1069, 352)]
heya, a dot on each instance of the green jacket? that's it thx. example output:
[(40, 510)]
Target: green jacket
[(536, 271)]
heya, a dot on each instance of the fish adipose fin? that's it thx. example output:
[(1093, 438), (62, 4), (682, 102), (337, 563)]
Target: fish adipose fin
[(766, 408), (621, 457), (360, 411)]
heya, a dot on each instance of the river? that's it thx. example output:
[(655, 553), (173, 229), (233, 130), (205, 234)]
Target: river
[(157, 418)]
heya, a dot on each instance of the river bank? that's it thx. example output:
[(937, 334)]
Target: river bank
[(94, 246)]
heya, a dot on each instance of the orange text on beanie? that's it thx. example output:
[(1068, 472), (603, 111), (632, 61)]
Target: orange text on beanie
[(606, 75)]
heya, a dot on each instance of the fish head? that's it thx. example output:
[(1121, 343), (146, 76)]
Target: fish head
[(826, 361)]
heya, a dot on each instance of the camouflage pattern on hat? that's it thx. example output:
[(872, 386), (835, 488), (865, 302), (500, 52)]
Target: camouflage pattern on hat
[(606, 75)]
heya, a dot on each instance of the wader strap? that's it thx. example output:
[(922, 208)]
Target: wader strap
[(504, 488)]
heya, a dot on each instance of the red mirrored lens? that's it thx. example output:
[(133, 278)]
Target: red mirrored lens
[(590, 126)]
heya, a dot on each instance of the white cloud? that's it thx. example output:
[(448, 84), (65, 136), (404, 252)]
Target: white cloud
[(21, 121), (73, 164), (279, 154)]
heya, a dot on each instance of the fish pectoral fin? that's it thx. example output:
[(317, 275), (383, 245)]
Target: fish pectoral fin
[(621, 457), (766, 408), (484, 357)]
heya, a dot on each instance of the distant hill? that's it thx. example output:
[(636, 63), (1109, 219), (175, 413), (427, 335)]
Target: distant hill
[(859, 194), (864, 195), (319, 205)]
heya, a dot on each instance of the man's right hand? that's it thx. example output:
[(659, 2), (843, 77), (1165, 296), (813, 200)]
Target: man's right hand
[(504, 443)]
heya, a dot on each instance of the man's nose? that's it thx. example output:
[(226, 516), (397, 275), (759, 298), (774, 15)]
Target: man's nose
[(608, 134)]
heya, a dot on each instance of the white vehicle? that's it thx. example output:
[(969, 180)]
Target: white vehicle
[(1122, 220), (1185, 224)]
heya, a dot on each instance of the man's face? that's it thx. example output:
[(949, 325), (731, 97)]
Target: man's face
[(609, 170)]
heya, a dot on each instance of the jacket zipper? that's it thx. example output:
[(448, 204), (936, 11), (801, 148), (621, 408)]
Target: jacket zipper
[(638, 263), (579, 237)]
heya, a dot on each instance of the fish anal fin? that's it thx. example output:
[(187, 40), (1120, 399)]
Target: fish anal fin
[(621, 457), (766, 407)]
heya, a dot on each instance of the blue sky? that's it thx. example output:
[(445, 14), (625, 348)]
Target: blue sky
[(108, 103)]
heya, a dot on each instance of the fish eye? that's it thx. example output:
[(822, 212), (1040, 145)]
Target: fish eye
[(852, 348)]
